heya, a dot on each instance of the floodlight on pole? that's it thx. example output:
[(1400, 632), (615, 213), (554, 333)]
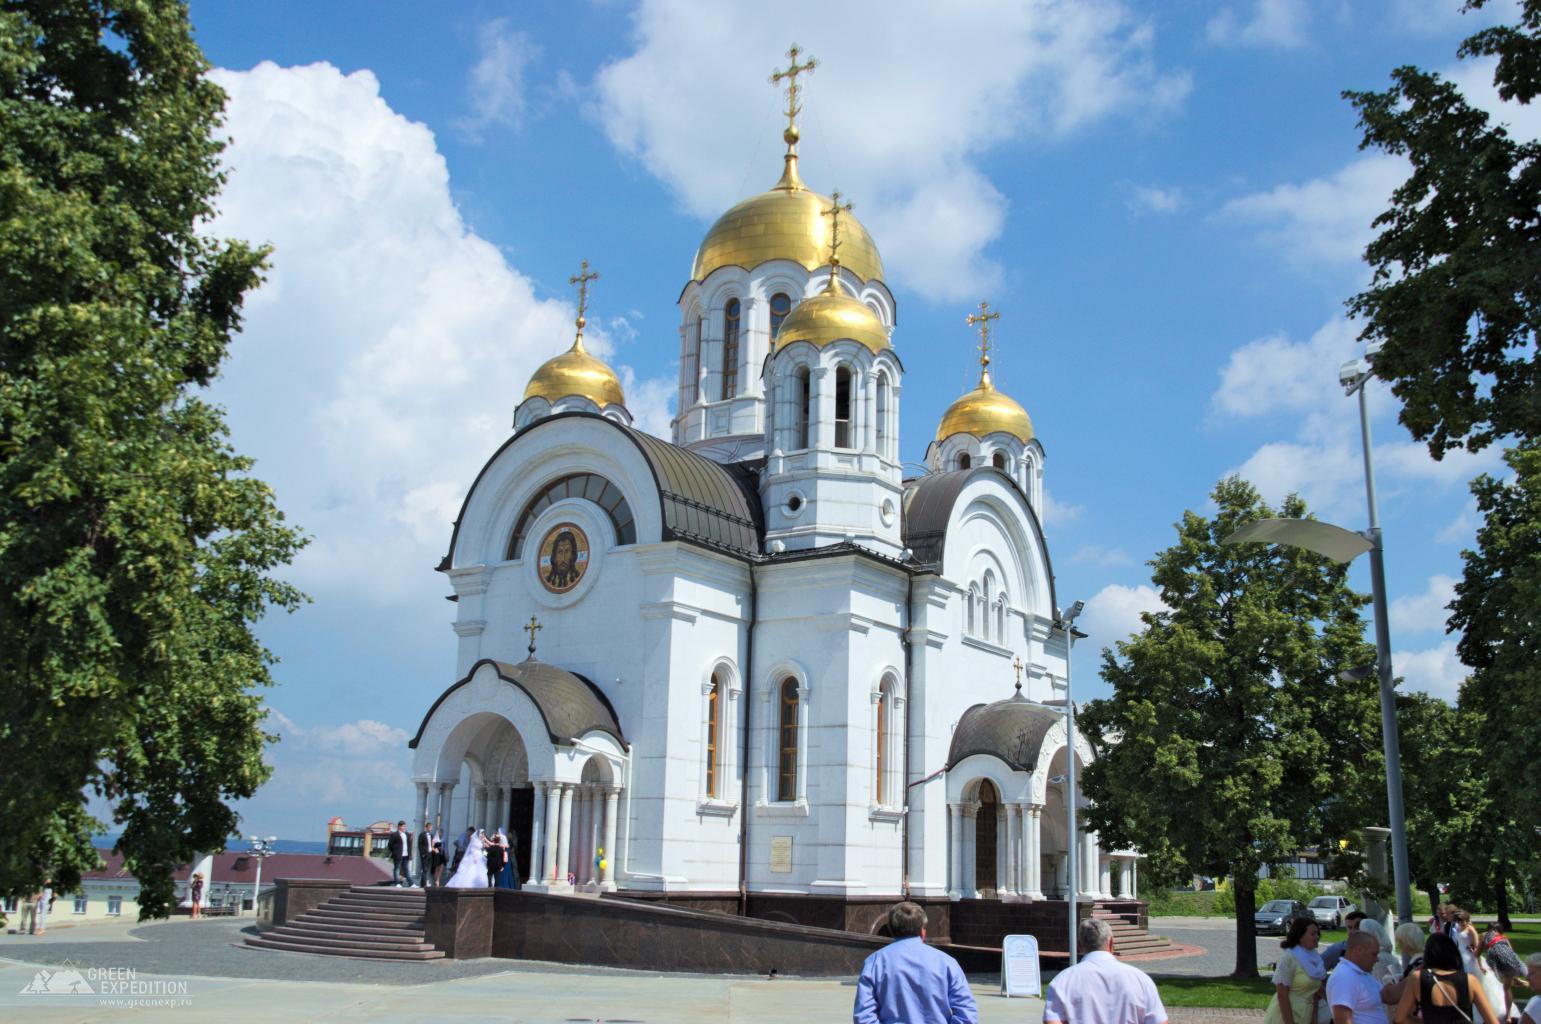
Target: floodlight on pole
[(262, 849), (1066, 622), (1344, 546)]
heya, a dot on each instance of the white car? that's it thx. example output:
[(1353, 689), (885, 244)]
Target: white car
[(1330, 911)]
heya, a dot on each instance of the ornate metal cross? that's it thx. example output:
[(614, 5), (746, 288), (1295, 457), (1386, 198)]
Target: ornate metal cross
[(833, 213), (1016, 663), (532, 627), (790, 76), (582, 280), (983, 318)]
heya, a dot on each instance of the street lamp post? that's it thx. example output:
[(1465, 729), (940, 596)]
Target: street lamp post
[(1344, 546), (262, 849), (1072, 854)]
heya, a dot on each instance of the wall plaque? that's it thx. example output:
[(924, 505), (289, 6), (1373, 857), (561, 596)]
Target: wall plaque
[(781, 853), (1019, 967)]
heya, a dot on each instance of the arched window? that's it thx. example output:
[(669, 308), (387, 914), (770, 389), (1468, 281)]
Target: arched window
[(802, 397), (880, 748), (973, 600), (696, 362), (964, 462), (882, 417), (843, 407), (1000, 619), (730, 317), (587, 486), (780, 306), (998, 460), (786, 767), (984, 604), (713, 737)]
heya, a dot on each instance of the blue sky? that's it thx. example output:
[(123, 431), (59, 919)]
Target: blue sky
[(1165, 201)]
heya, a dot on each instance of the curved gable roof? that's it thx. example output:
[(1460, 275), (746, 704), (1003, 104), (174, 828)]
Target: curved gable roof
[(568, 703), (1012, 730), (700, 501), (928, 506)]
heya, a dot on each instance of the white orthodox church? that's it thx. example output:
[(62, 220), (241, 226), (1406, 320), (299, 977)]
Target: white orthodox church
[(756, 661)]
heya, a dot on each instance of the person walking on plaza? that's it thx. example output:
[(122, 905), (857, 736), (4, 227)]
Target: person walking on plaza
[(1442, 991), (195, 895), (910, 981), (1333, 953), (1352, 991), (1099, 989), (1299, 978), (1504, 967), (425, 841), (497, 856), (1410, 943), (401, 856), (461, 842), (1532, 1014)]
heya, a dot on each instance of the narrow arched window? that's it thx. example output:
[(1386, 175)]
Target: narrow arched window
[(1000, 619), (998, 460), (780, 306), (699, 360), (973, 601), (786, 768), (843, 407), (880, 752), (882, 417), (730, 318), (713, 734), (964, 462), (802, 396)]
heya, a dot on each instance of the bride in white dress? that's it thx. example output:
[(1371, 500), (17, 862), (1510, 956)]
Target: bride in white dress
[(472, 873)]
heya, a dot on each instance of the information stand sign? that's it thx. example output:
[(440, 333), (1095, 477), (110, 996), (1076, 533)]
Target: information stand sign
[(1019, 967)]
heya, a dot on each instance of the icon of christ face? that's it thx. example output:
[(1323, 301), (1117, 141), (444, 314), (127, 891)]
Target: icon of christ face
[(564, 558)]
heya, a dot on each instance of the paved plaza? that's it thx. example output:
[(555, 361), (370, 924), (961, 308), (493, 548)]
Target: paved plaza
[(198, 970)]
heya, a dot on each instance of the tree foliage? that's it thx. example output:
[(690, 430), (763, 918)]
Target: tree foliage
[(135, 548), (1456, 291), (1228, 742)]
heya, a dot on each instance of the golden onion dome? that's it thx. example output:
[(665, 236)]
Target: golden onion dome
[(786, 223), (985, 411), (575, 372), (831, 316)]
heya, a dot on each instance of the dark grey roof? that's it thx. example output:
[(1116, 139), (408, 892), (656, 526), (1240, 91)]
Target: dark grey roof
[(700, 501), (928, 504), (569, 703), (1012, 730)]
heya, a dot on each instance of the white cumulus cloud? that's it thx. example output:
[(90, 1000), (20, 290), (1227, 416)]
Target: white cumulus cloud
[(1436, 671), (495, 85), (1271, 23), (1425, 612), (896, 115), (1325, 220), (1113, 613)]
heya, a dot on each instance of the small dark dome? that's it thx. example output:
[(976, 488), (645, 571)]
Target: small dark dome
[(1012, 730)]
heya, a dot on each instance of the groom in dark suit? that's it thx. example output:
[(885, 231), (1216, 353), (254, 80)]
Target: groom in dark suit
[(425, 840), (401, 855)]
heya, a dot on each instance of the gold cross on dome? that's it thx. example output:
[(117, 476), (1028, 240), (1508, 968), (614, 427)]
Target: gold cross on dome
[(582, 280), (790, 76), (983, 318), (1016, 663), (532, 627), (836, 208)]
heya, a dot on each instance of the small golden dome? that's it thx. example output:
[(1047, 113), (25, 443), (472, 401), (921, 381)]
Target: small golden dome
[(575, 372), (830, 316), (786, 223), (985, 411)]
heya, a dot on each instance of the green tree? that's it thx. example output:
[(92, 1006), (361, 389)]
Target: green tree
[(1229, 743), (1456, 291), (135, 548), (1442, 788)]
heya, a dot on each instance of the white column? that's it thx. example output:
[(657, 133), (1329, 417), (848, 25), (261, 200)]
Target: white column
[(564, 825), (971, 851), (1106, 888), (1009, 885), (802, 736), (553, 816), (1035, 851), (1134, 879), (537, 847), (582, 855), (450, 824), (955, 869), (1089, 876), (596, 831), (480, 808), (612, 798)]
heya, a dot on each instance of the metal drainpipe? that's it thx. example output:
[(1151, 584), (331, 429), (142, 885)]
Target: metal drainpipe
[(743, 761), (909, 671)]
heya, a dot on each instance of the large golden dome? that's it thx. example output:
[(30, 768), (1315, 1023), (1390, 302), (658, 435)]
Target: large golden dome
[(786, 223), (575, 372), (985, 411), (831, 316)]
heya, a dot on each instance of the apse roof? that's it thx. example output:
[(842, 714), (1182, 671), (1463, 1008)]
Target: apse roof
[(569, 703), (1012, 730)]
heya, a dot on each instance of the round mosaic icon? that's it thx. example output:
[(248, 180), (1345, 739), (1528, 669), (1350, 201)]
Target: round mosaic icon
[(564, 557)]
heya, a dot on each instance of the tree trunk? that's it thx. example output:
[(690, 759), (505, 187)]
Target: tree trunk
[(1501, 898), (1245, 888), (1435, 899)]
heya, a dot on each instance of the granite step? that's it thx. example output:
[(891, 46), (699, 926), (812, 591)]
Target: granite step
[(371, 954), (316, 931), (375, 923)]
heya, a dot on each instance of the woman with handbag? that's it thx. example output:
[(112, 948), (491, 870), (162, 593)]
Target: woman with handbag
[(1442, 991), (1298, 979)]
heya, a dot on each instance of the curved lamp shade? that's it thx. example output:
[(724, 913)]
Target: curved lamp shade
[(1334, 542)]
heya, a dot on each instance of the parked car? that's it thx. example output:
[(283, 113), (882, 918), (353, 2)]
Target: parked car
[(1330, 911), (1275, 916)]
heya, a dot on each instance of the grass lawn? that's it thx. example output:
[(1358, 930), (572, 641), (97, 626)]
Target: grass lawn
[(1230, 993), (1525, 938)]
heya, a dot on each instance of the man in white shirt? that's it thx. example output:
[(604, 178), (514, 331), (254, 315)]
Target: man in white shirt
[(1352, 991), (1099, 989), (1533, 975)]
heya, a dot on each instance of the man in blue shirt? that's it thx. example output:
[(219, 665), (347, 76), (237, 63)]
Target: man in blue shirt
[(909, 981)]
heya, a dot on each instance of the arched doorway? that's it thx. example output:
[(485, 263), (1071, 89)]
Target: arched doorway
[(986, 828)]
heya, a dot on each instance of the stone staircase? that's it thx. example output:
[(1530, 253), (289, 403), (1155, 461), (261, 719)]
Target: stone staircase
[(1129, 939), (375, 922)]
